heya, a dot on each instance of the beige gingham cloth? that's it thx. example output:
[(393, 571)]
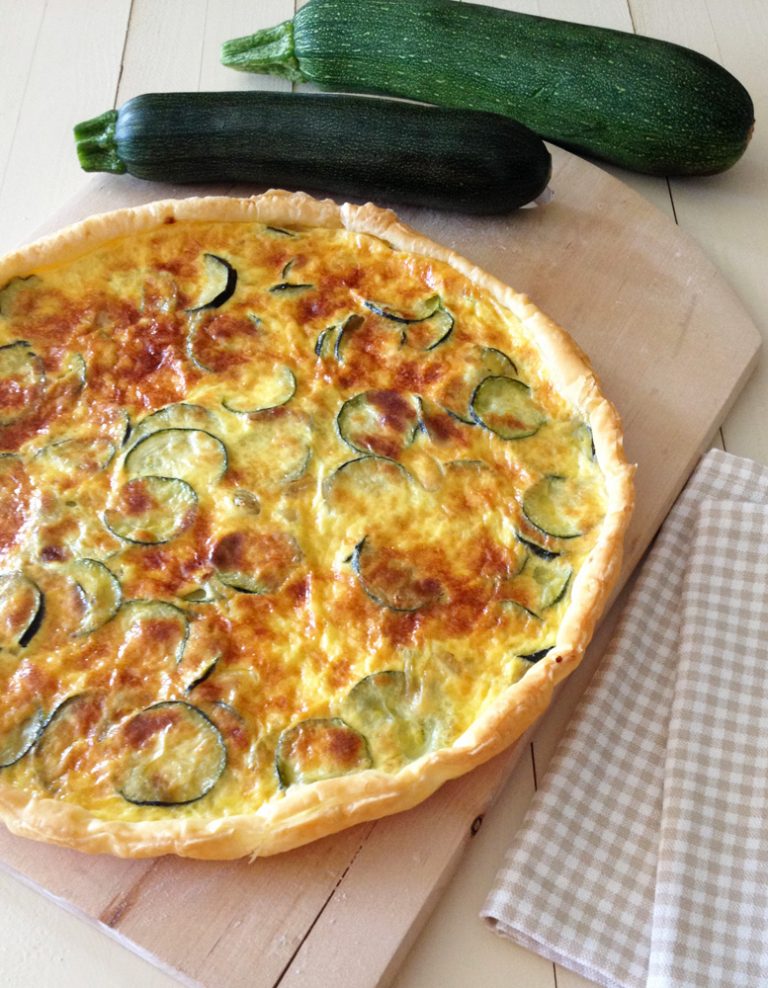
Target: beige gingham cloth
[(643, 860)]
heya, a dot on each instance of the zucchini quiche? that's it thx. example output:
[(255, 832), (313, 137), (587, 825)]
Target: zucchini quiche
[(301, 515)]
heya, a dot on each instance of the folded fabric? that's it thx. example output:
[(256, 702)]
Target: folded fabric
[(643, 858)]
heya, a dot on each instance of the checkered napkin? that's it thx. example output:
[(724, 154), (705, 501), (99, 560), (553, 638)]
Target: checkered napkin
[(643, 860)]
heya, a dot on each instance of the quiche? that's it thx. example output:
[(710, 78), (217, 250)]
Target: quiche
[(301, 515)]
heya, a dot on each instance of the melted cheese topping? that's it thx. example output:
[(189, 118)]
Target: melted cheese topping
[(275, 505)]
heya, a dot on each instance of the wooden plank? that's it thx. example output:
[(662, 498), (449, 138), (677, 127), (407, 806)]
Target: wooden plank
[(720, 210), (67, 69)]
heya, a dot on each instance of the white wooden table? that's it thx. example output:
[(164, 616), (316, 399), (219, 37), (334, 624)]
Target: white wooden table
[(62, 61)]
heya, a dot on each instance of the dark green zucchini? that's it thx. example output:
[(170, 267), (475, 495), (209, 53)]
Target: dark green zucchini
[(353, 146), (645, 104)]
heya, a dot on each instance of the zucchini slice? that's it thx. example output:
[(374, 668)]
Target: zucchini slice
[(379, 422), (289, 288), (77, 458), (392, 579), (204, 670), (20, 738), (536, 656), (344, 333), (175, 755), (22, 377), (192, 455), (220, 282), (73, 374), (276, 449), (10, 292), (267, 391), (22, 606), (74, 726), (255, 562), (456, 391), (366, 477), (151, 510), (540, 584), (554, 505), (325, 344), (153, 631), (426, 329), (286, 287), (506, 407), (100, 590), (536, 549), (181, 416), (320, 748), (379, 707), (218, 342)]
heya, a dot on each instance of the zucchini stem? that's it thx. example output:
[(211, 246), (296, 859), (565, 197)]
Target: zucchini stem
[(96, 144), (270, 51)]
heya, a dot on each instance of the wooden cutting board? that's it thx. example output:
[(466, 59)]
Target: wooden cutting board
[(672, 345)]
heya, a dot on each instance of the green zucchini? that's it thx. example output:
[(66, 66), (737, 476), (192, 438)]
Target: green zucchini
[(380, 708), (276, 449), (220, 283), (379, 422), (456, 391), (175, 755), (638, 102), (424, 330), (22, 606), (184, 454), (18, 739), (318, 749), (22, 377), (504, 406), (100, 590), (151, 510), (349, 145), (393, 579), (180, 416), (73, 726), (153, 631), (269, 389), (557, 507), (79, 457), (255, 562)]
